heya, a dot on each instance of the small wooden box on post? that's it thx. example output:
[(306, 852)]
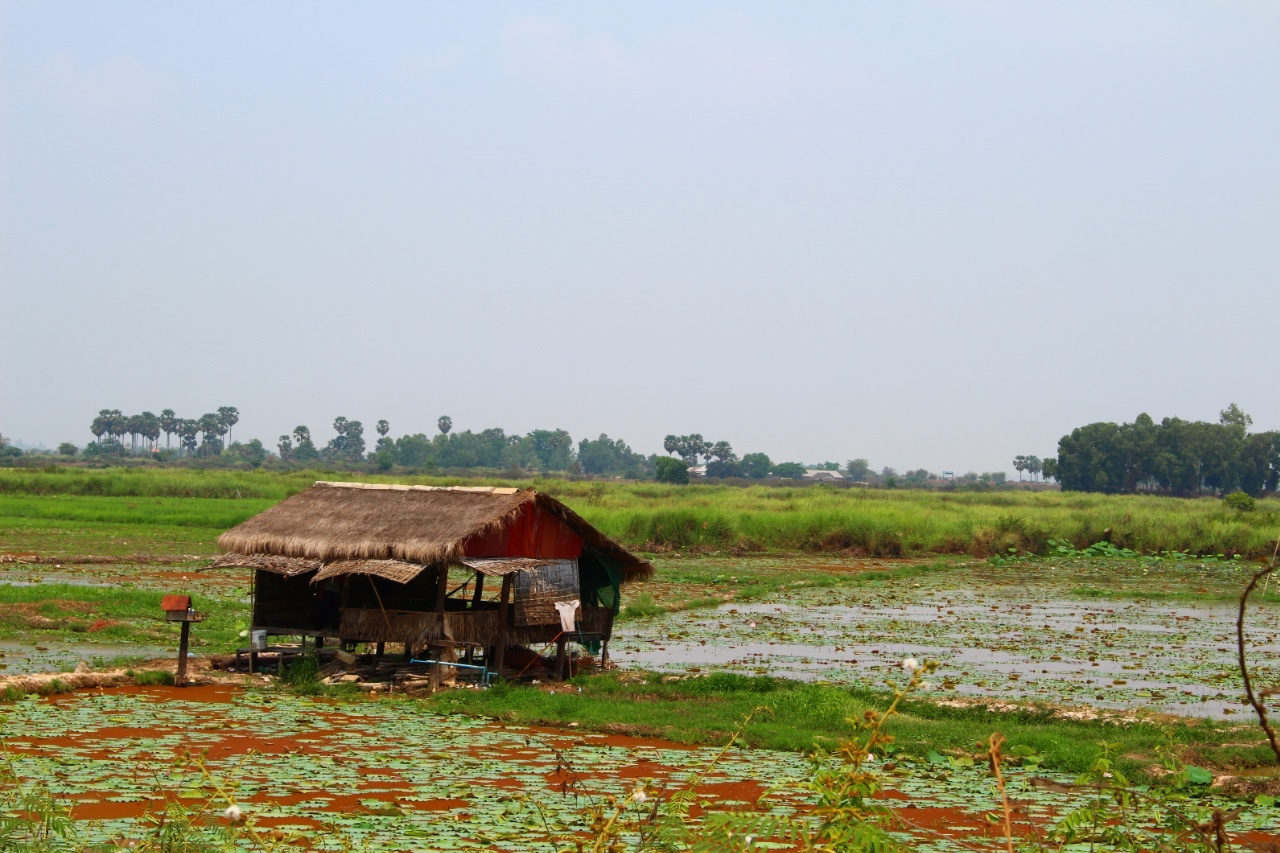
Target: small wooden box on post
[(178, 608)]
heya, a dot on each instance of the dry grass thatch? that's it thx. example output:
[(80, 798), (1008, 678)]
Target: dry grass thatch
[(394, 570), (287, 566), (413, 524), (496, 567)]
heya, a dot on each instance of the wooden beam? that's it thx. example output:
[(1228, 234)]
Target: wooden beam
[(475, 597)]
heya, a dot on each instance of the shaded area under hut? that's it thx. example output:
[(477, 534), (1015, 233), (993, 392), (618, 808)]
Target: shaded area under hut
[(445, 572)]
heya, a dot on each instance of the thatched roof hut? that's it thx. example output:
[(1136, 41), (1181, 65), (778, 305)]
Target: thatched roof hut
[(371, 562)]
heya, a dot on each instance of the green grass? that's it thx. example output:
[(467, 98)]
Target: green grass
[(69, 612), (656, 517), (797, 716)]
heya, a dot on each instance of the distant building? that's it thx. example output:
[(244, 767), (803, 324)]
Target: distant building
[(697, 470), (820, 474)]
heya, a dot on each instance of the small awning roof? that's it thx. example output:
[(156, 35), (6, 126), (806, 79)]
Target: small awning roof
[(287, 566), (393, 570), (498, 566)]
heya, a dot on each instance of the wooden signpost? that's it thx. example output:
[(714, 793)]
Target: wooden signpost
[(177, 608)]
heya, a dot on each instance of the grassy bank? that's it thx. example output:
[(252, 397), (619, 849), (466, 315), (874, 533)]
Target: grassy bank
[(59, 612), (801, 716), (656, 517)]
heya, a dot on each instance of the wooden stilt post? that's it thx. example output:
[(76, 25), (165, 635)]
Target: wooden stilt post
[(442, 592), (180, 679), (475, 597), (562, 656), (504, 608)]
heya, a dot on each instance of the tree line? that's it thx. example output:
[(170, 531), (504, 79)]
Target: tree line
[(1174, 457), (540, 450), (196, 436)]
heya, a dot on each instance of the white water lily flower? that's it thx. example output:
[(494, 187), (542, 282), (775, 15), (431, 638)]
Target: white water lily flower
[(911, 664), (233, 814)]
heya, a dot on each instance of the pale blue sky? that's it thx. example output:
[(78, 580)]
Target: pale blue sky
[(928, 234)]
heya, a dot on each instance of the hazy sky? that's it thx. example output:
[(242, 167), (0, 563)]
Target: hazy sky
[(928, 234)]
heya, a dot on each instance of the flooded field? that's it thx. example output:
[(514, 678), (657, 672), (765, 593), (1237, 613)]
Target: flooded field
[(376, 773), (1022, 632), (383, 774), (389, 773)]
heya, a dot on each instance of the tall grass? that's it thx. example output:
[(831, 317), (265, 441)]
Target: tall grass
[(658, 517)]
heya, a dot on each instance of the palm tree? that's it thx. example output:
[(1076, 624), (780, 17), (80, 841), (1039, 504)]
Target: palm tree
[(230, 416), (383, 428), (101, 425), (150, 430), (169, 424), (133, 426), (188, 429), (445, 424), (116, 424), (209, 425)]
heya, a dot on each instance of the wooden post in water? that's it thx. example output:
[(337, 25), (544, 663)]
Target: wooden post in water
[(180, 679)]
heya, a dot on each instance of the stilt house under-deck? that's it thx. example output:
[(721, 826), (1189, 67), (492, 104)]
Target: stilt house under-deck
[(360, 562)]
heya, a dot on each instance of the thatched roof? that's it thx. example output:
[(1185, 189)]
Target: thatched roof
[(412, 524), (287, 566)]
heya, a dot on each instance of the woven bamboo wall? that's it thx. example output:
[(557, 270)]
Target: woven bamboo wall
[(538, 589)]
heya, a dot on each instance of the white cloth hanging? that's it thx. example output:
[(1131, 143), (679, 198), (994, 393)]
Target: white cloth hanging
[(567, 611)]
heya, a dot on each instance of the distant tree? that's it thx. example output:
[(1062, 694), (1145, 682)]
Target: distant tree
[(168, 425), (101, 425), (66, 449), (188, 429), (1019, 465), (253, 452), (1034, 466), (285, 446), (554, 448), (607, 456), (348, 444), (1049, 468), (150, 430), (918, 477), (671, 470), (1233, 416), (304, 450), (689, 447), (723, 452), (887, 473), (133, 427), (789, 470), (384, 459), (228, 416), (756, 466), (857, 469), (521, 455), (211, 428), (719, 468), (445, 424), (355, 441), (383, 428), (116, 423)]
